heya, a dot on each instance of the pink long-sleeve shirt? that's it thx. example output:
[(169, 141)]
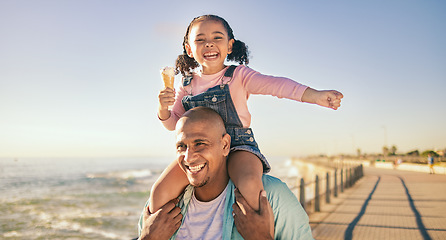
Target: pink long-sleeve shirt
[(245, 82)]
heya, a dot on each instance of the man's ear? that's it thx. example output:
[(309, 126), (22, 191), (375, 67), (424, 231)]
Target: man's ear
[(226, 142), (188, 50)]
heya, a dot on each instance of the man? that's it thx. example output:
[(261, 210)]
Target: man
[(208, 208)]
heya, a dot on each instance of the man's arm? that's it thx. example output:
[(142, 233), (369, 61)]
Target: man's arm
[(163, 223), (250, 223)]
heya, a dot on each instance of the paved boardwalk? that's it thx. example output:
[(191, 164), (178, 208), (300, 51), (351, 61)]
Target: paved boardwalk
[(386, 204)]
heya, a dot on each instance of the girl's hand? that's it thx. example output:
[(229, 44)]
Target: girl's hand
[(166, 98), (329, 99)]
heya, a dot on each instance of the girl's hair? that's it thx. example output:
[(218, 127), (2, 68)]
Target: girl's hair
[(186, 64)]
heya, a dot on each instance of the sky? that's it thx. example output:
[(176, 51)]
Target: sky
[(81, 78)]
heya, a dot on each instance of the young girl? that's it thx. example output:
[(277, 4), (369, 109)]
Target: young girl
[(208, 42)]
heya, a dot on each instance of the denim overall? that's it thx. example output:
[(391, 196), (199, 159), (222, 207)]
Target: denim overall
[(219, 99)]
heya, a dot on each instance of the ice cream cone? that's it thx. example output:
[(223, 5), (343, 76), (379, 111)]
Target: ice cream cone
[(168, 74)]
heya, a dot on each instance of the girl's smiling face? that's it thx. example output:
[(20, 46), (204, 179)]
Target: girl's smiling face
[(209, 45)]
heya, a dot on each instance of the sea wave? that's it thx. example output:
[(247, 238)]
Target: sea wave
[(129, 174), (71, 226)]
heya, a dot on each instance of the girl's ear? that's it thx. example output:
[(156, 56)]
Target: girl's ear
[(230, 44), (188, 50)]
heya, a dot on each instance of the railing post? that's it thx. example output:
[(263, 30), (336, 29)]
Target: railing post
[(302, 193), (346, 178), (335, 189), (351, 177), (317, 207), (327, 189), (342, 180)]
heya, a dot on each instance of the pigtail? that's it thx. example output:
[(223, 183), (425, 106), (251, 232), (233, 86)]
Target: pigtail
[(185, 64), (239, 53)]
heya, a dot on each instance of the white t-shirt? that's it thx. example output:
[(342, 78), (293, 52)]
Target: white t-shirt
[(203, 220)]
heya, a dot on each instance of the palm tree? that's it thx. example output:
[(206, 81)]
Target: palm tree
[(393, 150)]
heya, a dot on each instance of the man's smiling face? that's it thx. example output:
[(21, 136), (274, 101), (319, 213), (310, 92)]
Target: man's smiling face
[(202, 147)]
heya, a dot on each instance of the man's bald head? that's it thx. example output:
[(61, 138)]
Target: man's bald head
[(204, 115)]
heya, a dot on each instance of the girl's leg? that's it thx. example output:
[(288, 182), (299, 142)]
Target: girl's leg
[(168, 186), (246, 170)]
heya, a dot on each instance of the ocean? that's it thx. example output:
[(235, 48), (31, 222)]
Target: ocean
[(74, 198), (79, 198)]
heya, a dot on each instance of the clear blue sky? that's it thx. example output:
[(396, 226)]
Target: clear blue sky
[(81, 78)]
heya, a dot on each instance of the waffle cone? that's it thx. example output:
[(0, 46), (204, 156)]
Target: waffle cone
[(168, 80)]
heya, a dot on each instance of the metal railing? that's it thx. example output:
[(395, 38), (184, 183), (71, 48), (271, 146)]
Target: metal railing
[(333, 184)]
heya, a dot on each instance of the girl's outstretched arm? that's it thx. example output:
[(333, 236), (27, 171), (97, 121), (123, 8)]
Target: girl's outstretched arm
[(324, 98)]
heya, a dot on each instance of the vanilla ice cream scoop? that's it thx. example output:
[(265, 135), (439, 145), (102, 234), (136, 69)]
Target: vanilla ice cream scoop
[(168, 75)]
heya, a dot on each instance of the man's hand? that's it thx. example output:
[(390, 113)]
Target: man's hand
[(251, 224), (163, 223)]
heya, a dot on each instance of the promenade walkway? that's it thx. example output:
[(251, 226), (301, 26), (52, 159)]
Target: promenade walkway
[(386, 204)]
